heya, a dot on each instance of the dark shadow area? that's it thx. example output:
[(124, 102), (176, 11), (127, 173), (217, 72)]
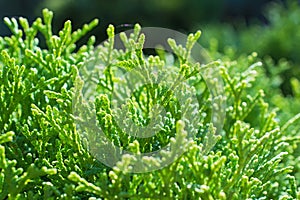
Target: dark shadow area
[(176, 14)]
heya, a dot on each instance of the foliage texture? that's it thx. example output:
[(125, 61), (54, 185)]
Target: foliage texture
[(42, 155)]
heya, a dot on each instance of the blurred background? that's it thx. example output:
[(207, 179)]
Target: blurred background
[(182, 15)]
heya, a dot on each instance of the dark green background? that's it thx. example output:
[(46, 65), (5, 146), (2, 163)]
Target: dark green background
[(182, 15)]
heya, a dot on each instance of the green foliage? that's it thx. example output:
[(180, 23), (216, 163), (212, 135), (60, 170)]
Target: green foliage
[(43, 155)]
